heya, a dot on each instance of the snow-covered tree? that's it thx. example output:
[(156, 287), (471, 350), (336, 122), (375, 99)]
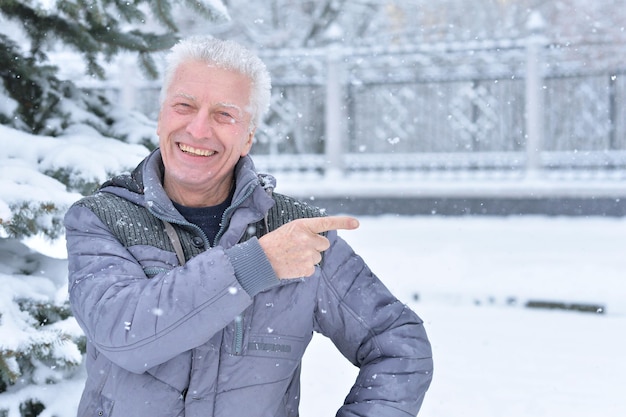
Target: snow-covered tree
[(58, 141), (315, 23), (297, 23)]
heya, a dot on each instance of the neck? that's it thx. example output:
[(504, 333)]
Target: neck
[(192, 197)]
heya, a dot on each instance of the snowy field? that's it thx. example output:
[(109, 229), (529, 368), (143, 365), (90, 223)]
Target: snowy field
[(493, 357), (469, 278)]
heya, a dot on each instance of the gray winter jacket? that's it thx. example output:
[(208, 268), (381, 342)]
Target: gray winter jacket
[(221, 335)]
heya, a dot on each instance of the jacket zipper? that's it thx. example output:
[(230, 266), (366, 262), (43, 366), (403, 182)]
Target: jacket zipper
[(230, 209), (238, 341)]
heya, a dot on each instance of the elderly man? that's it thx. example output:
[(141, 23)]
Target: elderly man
[(199, 288)]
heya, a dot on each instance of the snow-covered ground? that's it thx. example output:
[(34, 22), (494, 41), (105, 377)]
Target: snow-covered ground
[(469, 278), (493, 357)]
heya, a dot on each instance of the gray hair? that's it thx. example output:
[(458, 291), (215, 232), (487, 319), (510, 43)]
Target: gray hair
[(228, 55)]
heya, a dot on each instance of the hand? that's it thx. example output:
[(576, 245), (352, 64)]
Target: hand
[(295, 248)]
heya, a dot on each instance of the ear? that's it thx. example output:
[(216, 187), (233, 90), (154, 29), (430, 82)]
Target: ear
[(158, 127), (248, 145)]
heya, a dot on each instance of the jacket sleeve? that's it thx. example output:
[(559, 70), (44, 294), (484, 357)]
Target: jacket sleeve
[(140, 322), (377, 333)]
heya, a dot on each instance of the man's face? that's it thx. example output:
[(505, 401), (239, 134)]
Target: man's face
[(203, 130)]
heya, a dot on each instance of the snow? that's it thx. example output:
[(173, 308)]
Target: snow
[(493, 356), (469, 279), (28, 160), (81, 149)]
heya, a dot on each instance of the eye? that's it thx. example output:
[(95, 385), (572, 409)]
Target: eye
[(225, 117), (182, 107)]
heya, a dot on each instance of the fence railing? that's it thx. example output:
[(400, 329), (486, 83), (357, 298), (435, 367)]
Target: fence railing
[(521, 107)]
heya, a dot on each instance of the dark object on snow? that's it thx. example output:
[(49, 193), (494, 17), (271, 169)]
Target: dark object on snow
[(582, 307)]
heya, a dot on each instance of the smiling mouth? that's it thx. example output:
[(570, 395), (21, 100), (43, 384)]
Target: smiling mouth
[(193, 151)]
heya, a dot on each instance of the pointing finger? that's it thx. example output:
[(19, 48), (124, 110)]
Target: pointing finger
[(324, 224)]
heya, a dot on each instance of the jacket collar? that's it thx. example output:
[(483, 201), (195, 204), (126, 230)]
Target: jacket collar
[(144, 186)]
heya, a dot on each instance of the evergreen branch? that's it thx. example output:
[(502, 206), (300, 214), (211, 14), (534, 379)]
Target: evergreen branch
[(91, 28), (71, 10), (209, 12), (134, 40), (25, 222), (157, 42), (9, 368), (40, 26), (94, 15), (146, 63), (128, 12), (32, 86), (163, 11), (44, 313)]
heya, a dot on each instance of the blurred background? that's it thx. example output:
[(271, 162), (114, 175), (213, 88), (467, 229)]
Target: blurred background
[(482, 145), (497, 107)]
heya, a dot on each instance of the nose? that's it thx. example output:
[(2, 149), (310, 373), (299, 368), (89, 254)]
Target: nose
[(199, 126)]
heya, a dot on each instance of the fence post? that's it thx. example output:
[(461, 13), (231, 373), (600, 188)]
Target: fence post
[(534, 105), (128, 85), (334, 114)]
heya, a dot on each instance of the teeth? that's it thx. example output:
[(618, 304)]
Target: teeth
[(194, 151)]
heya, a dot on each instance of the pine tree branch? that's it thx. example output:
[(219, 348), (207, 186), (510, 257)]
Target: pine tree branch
[(162, 10), (96, 29), (128, 12), (206, 11)]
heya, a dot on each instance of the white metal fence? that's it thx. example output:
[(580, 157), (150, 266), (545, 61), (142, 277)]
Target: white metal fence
[(508, 107)]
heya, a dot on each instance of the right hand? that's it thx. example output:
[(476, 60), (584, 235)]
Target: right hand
[(295, 248)]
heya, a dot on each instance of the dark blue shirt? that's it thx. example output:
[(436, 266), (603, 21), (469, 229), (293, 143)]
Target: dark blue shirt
[(209, 219)]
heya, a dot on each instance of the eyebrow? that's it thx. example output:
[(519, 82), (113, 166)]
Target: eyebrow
[(185, 95)]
